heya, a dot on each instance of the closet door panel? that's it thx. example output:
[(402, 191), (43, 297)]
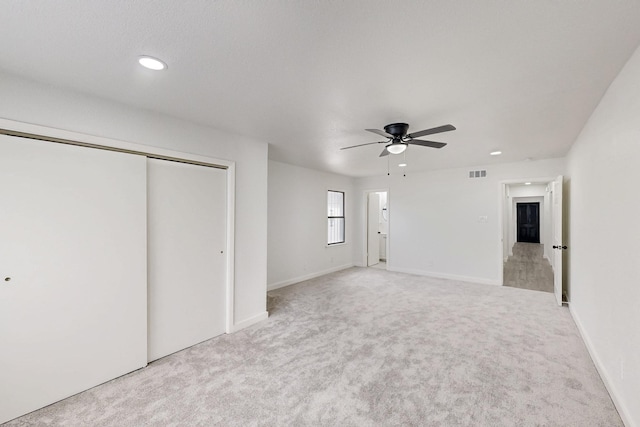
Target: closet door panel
[(73, 267), (187, 263)]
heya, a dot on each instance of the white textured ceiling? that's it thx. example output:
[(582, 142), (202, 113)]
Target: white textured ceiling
[(309, 76)]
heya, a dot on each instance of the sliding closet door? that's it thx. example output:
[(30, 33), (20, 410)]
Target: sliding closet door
[(187, 264), (73, 270)]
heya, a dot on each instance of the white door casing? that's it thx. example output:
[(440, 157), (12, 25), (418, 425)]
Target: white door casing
[(73, 265), (373, 239), (187, 259)]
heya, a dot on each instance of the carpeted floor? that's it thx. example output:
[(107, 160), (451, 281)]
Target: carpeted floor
[(367, 347), (528, 269)]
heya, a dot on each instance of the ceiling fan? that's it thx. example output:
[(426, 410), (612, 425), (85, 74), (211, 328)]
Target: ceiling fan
[(398, 139)]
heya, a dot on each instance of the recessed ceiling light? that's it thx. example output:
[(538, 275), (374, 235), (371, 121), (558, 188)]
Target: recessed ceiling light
[(527, 183), (402, 165), (152, 63), (495, 153)]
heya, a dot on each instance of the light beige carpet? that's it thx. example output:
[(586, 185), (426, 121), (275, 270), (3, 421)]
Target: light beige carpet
[(366, 347), (528, 269)]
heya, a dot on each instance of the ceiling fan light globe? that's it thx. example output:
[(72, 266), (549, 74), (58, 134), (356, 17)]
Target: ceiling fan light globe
[(396, 148)]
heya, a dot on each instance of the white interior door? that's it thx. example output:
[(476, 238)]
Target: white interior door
[(373, 237), (557, 238), (187, 263), (73, 270)]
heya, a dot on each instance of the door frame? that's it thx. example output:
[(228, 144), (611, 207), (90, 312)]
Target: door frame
[(28, 130), (541, 211), (373, 248), (365, 223), (502, 221)]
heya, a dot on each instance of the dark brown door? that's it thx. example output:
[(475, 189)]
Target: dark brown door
[(528, 222)]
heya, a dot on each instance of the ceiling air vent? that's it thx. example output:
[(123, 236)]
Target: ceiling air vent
[(478, 174)]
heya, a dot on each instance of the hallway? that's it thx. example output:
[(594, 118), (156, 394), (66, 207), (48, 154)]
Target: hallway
[(527, 269)]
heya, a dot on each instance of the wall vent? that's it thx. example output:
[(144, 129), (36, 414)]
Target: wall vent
[(478, 174)]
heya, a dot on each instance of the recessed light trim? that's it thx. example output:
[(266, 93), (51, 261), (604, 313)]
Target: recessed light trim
[(152, 63), (402, 165), (527, 183), (495, 153)]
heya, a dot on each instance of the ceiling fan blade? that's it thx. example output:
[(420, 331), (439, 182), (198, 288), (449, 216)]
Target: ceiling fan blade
[(385, 152), (445, 128), (368, 143), (431, 144), (380, 132)]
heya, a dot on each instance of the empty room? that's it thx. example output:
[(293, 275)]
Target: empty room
[(354, 213)]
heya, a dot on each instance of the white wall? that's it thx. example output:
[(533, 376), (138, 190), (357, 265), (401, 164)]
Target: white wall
[(536, 190), (434, 219), (30, 102), (297, 243), (604, 238)]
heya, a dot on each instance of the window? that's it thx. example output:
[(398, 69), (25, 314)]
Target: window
[(335, 216)]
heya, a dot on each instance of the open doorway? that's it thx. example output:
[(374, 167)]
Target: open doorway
[(377, 230), (531, 229)]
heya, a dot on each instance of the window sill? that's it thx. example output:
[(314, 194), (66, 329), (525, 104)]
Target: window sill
[(335, 244)]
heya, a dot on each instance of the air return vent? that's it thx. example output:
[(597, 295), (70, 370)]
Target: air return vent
[(478, 174)]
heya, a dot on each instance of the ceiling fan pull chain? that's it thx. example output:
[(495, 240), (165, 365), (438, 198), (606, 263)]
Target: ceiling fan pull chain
[(388, 165)]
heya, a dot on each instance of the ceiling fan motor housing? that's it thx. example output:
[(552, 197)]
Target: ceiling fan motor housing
[(397, 129)]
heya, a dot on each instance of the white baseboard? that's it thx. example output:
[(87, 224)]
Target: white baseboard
[(620, 406), (250, 321), (470, 279), (282, 284)]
